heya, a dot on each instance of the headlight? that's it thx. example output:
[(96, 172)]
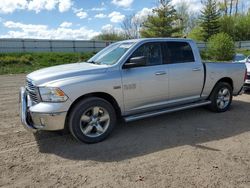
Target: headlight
[(50, 94)]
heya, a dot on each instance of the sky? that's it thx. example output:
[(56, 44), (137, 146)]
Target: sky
[(72, 19)]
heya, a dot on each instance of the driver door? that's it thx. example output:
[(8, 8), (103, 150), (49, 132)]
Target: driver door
[(145, 87)]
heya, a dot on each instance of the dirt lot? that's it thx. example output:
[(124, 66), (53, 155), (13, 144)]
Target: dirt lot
[(193, 148)]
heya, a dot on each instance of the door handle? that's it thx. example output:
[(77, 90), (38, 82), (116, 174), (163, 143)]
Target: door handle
[(160, 73), (197, 69)]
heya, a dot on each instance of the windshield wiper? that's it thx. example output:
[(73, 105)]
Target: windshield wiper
[(94, 62)]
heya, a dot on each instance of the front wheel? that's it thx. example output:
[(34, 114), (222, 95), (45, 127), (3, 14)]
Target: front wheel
[(92, 120), (221, 97)]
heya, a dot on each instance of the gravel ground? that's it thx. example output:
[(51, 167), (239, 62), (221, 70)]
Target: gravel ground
[(192, 148)]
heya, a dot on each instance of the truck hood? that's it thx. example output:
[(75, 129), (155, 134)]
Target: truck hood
[(54, 73)]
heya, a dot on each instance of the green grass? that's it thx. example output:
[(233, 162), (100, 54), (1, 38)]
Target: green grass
[(243, 51), (14, 63)]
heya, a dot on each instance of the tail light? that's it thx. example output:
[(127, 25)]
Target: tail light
[(245, 75)]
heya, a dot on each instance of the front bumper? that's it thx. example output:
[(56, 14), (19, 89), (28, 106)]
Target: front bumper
[(34, 120)]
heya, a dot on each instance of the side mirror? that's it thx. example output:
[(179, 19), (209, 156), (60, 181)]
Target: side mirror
[(135, 62)]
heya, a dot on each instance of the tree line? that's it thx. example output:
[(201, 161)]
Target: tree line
[(224, 16)]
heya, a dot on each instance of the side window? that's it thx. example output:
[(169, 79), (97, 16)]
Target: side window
[(152, 53), (177, 52)]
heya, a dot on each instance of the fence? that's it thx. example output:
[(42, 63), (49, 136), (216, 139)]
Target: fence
[(39, 45), (33, 45)]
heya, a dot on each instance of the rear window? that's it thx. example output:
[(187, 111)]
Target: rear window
[(177, 52)]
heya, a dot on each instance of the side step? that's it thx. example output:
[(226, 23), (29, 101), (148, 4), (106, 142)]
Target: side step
[(164, 111)]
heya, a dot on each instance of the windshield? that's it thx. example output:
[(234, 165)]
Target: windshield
[(111, 54), (239, 57)]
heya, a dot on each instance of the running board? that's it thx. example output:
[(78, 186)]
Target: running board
[(164, 111)]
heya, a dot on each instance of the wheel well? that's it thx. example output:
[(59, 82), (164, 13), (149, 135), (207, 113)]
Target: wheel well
[(227, 80), (102, 95)]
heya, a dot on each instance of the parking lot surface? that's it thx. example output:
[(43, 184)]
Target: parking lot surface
[(192, 148)]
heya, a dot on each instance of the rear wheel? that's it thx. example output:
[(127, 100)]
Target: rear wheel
[(221, 97), (92, 120)]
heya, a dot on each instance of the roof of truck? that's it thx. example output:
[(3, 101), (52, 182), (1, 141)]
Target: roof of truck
[(157, 39)]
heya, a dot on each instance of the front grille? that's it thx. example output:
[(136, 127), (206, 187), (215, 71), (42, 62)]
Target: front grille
[(248, 76), (31, 90)]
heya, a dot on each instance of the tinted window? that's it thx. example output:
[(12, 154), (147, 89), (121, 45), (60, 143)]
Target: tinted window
[(152, 53), (177, 52)]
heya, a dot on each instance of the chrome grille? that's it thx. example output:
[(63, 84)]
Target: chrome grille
[(32, 91)]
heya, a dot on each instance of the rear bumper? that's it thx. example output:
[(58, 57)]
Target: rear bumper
[(247, 85), (33, 120)]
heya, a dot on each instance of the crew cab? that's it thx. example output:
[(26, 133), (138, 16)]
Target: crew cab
[(131, 80)]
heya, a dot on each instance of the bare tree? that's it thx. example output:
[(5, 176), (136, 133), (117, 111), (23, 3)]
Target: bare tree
[(225, 7), (131, 27), (236, 7), (164, 2), (193, 21), (231, 7), (185, 16)]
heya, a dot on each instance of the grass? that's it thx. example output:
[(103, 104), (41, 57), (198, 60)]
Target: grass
[(246, 52), (14, 63)]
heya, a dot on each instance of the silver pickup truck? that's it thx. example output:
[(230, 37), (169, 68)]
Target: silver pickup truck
[(127, 80)]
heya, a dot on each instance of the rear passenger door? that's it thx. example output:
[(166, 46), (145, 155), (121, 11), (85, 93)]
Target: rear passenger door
[(185, 74)]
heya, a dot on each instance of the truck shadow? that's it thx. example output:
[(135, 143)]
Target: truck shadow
[(190, 127)]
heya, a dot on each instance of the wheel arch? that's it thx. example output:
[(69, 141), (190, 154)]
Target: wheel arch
[(101, 95), (226, 80)]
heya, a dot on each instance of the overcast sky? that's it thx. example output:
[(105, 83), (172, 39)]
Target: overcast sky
[(72, 19)]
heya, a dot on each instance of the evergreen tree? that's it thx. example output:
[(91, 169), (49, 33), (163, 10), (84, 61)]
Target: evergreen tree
[(163, 23), (210, 16)]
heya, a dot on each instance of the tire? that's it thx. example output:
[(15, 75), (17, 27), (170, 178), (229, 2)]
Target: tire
[(221, 97), (92, 120)]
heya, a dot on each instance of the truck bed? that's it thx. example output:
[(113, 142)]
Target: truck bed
[(214, 71)]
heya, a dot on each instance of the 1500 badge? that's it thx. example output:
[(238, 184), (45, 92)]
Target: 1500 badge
[(129, 86)]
